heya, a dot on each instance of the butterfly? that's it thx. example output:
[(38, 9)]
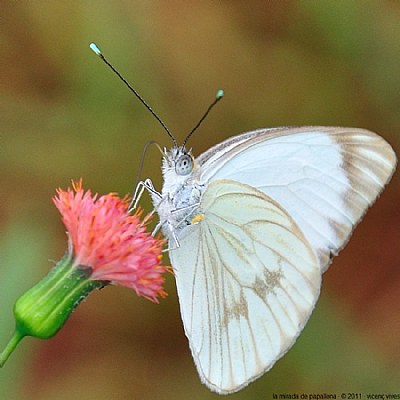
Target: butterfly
[(252, 224)]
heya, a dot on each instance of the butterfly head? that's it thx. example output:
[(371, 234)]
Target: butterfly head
[(178, 160), (178, 165)]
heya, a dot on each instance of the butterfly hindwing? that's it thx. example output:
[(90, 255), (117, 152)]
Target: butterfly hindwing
[(247, 280)]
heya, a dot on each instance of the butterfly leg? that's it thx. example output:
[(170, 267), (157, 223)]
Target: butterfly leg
[(140, 188), (172, 227), (171, 235), (192, 208), (157, 228), (174, 238)]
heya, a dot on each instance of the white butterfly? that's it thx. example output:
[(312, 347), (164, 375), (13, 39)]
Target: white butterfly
[(252, 224)]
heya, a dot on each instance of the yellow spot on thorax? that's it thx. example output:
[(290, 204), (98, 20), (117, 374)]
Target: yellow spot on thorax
[(197, 218)]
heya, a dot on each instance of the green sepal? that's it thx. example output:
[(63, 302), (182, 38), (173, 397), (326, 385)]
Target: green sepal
[(42, 310)]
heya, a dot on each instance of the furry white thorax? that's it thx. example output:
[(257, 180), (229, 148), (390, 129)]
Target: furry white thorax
[(180, 194)]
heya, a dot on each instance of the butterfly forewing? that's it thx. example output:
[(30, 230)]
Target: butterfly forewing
[(325, 178), (247, 281)]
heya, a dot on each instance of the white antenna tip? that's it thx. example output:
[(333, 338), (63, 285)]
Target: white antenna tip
[(220, 94), (95, 49)]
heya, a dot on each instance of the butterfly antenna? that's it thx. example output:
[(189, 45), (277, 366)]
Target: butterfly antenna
[(98, 52), (218, 97)]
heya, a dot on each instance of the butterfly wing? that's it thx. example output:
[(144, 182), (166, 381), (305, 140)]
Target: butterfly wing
[(247, 281), (278, 205), (325, 178)]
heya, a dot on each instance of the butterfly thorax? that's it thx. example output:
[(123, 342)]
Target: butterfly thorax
[(180, 194)]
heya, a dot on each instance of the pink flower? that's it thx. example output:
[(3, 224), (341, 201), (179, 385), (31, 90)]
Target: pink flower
[(106, 245), (114, 244)]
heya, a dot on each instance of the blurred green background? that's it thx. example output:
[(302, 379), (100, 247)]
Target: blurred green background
[(64, 115)]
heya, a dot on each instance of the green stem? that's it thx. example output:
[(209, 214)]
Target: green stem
[(12, 344)]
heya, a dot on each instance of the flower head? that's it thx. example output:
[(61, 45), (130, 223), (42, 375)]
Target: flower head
[(106, 245), (114, 244)]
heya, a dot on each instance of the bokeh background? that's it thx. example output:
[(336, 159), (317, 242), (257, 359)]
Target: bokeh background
[(64, 115)]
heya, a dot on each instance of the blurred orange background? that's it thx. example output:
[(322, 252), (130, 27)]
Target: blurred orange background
[(64, 115)]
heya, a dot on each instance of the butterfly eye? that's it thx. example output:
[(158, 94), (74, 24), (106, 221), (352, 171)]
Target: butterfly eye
[(184, 165)]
